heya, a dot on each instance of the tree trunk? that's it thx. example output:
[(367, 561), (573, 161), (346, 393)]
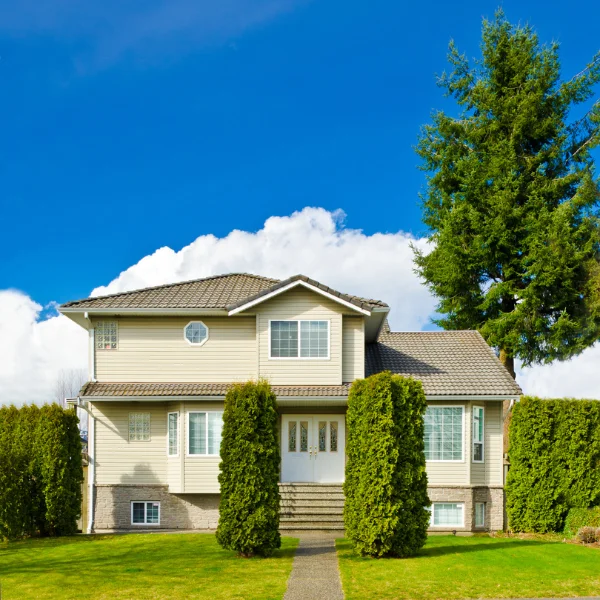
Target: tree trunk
[(508, 362)]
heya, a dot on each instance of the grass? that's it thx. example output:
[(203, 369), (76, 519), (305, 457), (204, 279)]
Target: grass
[(474, 567), (140, 566)]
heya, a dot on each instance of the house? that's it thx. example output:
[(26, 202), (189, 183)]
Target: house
[(161, 360)]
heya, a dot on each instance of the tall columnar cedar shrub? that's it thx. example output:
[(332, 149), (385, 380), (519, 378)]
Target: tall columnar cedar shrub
[(250, 457), (554, 462), (386, 484), (40, 471), (512, 199)]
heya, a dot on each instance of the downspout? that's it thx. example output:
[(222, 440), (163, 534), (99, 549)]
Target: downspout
[(77, 403)]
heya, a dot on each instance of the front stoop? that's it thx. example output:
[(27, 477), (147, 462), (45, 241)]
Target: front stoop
[(311, 507)]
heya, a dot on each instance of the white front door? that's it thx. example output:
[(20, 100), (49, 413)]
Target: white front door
[(312, 448)]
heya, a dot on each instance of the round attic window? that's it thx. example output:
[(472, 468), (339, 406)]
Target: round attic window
[(196, 333)]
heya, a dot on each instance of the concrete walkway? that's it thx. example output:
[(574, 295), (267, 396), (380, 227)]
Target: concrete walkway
[(315, 572)]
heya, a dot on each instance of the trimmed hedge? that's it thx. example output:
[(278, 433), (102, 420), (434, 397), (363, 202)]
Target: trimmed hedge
[(386, 485), (40, 471), (581, 517), (249, 477), (554, 462)]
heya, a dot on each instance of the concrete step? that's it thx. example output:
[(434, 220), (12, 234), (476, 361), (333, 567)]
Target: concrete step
[(311, 496), (311, 510), (288, 527), (312, 488), (311, 518), (324, 502)]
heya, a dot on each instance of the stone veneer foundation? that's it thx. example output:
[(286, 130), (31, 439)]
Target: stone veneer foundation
[(201, 511), (177, 511), (492, 496)]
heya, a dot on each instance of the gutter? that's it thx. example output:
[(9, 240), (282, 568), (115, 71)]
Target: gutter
[(78, 403)]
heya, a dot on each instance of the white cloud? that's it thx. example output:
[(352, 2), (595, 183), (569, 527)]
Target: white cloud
[(312, 241)]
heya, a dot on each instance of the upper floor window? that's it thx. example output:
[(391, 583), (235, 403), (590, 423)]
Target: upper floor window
[(444, 433), (204, 432), (299, 339), (196, 333), (139, 427), (106, 334), (478, 434)]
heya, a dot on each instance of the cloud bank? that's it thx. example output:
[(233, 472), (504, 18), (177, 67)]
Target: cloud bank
[(313, 242)]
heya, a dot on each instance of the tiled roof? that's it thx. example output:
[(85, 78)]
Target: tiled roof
[(202, 389), (446, 362), (224, 292)]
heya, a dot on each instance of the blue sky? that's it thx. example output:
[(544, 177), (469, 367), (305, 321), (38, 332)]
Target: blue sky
[(128, 129)]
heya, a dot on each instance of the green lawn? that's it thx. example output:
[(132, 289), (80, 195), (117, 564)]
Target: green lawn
[(474, 567), (139, 566)]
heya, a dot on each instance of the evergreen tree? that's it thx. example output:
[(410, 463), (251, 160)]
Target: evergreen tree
[(249, 477), (512, 199)]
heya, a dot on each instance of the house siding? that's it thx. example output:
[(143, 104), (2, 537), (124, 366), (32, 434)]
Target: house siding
[(300, 303), (155, 350), (353, 348)]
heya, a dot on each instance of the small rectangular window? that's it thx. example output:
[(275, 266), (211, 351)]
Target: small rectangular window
[(145, 513), (447, 514), (106, 335), (139, 427), (204, 433), (479, 514), (173, 433), (478, 434), (444, 433), (299, 339)]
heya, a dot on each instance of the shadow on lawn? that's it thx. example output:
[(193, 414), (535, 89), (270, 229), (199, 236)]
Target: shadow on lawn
[(452, 549)]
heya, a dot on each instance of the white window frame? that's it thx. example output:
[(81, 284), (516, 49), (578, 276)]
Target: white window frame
[(98, 334), (475, 524), (145, 503), (462, 512), (462, 421), (328, 357), (139, 412), (187, 446), (173, 412), (199, 344), (482, 441)]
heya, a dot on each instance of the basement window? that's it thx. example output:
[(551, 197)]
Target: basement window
[(447, 514), (145, 513)]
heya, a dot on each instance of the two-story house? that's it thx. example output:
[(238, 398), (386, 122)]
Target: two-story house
[(161, 360)]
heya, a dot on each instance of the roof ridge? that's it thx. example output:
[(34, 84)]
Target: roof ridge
[(174, 284)]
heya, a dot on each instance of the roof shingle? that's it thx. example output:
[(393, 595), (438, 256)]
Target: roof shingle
[(446, 362), (224, 292)]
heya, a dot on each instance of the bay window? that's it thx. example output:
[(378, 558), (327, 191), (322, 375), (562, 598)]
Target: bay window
[(444, 433), (478, 434), (204, 433)]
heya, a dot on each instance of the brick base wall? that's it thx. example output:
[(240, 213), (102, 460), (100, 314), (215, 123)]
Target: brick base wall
[(494, 505), (201, 511), (185, 511)]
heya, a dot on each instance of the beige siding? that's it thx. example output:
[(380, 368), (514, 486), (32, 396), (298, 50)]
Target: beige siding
[(353, 349), (452, 473), (120, 461), (493, 444), (300, 303), (154, 350), (200, 473)]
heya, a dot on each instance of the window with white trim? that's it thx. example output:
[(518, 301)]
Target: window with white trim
[(479, 514), (299, 339), (196, 333), (173, 433), (106, 335), (204, 433), (145, 513), (478, 424), (447, 514), (139, 427), (444, 433)]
